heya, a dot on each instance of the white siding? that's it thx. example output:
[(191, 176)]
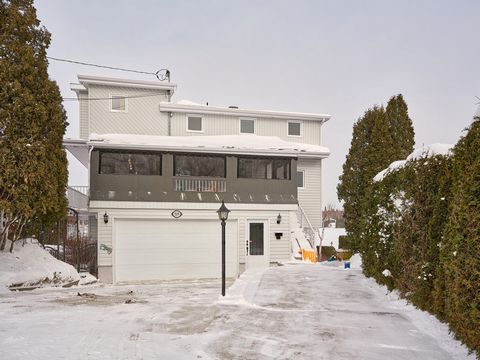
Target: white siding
[(279, 249), (230, 125), (83, 105), (142, 116), (310, 197)]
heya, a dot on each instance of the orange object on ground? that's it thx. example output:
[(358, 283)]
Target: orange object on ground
[(309, 255)]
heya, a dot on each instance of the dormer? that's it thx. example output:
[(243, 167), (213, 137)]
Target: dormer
[(125, 106)]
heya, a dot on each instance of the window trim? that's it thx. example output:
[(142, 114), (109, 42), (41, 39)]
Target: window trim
[(118, 96), (295, 122), (126, 151), (224, 157), (304, 185), (201, 123), (265, 158), (240, 126)]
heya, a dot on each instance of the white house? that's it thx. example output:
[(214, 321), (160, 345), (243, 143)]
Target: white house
[(158, 171)]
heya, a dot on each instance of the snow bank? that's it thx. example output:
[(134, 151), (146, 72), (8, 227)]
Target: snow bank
[(426, 151), (356, 261), (32, 265)]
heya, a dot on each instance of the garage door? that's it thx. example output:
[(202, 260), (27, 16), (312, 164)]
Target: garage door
[(172, 249)]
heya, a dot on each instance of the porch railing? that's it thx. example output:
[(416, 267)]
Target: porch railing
[(80, 189), (200, 185)]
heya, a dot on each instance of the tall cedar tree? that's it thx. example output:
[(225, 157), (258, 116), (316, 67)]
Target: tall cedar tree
[(460, 253), (32, 124), (401, 126)]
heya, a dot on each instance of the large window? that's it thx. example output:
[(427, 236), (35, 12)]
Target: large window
[(257, 168), (301, 179), (198, 165), (194, 123), (130, 163)]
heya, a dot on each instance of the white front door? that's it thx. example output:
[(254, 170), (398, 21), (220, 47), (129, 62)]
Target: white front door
[(257, 244)]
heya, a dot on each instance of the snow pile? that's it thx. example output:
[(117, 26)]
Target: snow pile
[(355, 261), (426, 151), (31, 265), (243, 289), (219, 143), (87, 279), (188, 102)]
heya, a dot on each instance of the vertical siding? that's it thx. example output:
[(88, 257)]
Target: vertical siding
[(83, 105), (142, 115), (310, 198), (230, 125)]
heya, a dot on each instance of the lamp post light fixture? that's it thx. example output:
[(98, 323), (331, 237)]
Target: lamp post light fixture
[(223, 216), (279, 219), (105, 218)]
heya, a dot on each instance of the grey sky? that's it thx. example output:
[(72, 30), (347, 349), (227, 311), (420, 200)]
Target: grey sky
[(336, 57)]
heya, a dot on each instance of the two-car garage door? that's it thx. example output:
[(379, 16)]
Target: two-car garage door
[(172, 249)]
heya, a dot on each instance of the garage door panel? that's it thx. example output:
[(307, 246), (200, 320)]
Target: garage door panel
[(172, 249)]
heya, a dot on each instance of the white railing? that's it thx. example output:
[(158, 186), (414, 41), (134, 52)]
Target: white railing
[(307, 226), (76, 199), (80, 189), (200, 185)]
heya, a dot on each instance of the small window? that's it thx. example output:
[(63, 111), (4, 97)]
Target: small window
[(119, 103), (197, 165), (301, 179), (247, 126), (194, 123), (130, 163), (255, 168), (294, 128)]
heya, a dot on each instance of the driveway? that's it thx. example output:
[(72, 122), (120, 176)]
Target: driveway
[(287, 312)]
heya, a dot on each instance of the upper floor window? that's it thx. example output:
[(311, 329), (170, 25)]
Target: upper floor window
[(294, 128), (199, 165), (258, 168), (301, 179), (130, 163), (247, 126), (118, 103), (194, 123)]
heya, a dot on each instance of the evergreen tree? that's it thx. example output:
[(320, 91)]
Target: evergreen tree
[(460, 253), (401, 126), (32, 123)]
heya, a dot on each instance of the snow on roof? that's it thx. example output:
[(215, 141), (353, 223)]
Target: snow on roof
[(188, 102), (425, 151), (226, 144)]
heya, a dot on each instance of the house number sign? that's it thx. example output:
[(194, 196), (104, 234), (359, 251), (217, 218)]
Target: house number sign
[(176, 214)]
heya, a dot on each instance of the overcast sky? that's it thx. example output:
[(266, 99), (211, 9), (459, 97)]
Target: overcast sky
[(335, 57)]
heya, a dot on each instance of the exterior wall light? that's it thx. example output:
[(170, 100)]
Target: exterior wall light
[(105, 218), (279, 219)]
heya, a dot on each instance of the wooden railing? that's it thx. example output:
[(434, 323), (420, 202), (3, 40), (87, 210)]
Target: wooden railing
[(200, 185)]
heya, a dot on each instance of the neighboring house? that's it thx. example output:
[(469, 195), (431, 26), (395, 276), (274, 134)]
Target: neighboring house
[(159, 170)]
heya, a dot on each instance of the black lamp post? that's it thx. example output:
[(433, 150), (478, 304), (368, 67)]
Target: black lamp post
[(223, 216)]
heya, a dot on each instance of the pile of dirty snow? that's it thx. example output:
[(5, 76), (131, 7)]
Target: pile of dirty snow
[(30, 265)]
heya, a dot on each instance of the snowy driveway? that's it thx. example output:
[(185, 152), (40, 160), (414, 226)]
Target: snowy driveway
[(288, 312)]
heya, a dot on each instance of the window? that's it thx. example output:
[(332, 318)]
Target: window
[(294, 128), (301, 178), (247, 126), (194, 123), (118, 103), (130, 163), (255, 168), (198, 165)]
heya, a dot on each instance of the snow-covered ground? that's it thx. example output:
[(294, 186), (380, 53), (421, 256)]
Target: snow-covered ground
[(295, 311)]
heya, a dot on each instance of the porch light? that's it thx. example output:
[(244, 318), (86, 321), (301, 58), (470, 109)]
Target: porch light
[(105, 218), (223, 212), (223, 216), (279, 219)]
